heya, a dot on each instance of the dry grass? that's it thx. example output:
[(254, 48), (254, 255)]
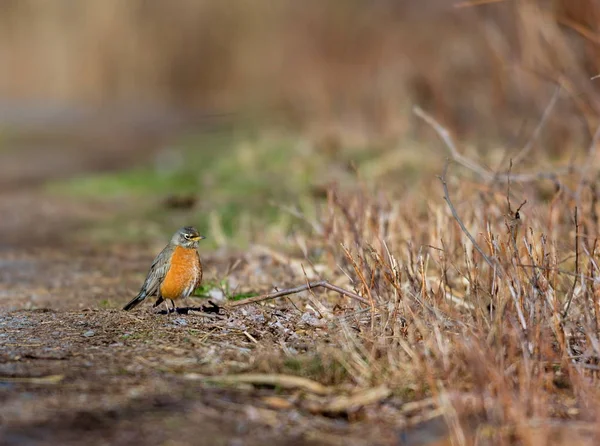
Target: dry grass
[(513, 330), (496, 339), (483, 299), (478, 311), (344, 70)]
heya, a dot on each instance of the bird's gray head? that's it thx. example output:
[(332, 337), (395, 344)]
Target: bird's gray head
[(187, 237)]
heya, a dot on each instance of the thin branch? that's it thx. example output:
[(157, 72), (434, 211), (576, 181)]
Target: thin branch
[(536, 176), (317, 228), (557, 270), (572, 291), (536, 133), (510, 212), (444, 134), (588, 162), (514, 218), (484, 173), (298, 289), (442, 178)]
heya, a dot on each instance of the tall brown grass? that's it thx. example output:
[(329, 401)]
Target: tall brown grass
[(346, 68), (508, 350)]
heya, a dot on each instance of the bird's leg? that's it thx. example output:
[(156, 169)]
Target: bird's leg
[(174, 307), (167, 305)]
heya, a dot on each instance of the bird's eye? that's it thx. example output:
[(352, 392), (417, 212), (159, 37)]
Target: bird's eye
[(187, 236)]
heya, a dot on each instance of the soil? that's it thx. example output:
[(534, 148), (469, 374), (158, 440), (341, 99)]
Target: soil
[(74, 365)]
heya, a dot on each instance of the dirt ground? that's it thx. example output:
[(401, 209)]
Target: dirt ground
[(73, 365)]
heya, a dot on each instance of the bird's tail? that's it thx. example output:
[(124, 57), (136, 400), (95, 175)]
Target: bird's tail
[(135, 301)]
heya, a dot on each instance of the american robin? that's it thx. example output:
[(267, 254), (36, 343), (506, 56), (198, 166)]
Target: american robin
[(175, 272)]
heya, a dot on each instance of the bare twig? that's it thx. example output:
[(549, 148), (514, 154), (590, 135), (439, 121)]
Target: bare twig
[(536, 133), (317, 227), (517, 215), (298, 289), (514, 217), (588, 162), (488, 260), (484, 173), (444, 134), (508, 187), (572, 291), (557, 270)]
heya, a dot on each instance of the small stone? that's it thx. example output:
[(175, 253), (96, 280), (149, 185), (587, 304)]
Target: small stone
[(89, 333), (217, 295), (312, 321)]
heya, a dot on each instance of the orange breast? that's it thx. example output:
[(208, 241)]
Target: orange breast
[(183, 274)]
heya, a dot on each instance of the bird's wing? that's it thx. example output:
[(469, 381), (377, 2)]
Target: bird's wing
[(158, 271)]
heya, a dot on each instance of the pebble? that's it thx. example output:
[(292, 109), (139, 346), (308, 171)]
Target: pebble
[(217, 295)]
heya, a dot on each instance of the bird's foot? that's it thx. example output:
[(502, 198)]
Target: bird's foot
[(168, 311), (210, 308)]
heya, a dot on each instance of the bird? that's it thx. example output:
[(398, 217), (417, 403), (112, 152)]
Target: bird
[(175, 272)]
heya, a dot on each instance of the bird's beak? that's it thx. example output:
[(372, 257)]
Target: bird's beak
[(198, 238)]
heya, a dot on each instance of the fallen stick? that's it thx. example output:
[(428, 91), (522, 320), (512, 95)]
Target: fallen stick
[(349, 403), (50, 379), (298, 289), (275, 380)]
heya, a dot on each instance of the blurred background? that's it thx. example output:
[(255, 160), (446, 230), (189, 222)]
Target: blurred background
[(226, 111)]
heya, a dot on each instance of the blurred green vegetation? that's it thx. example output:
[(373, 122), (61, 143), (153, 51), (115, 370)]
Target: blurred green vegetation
[(237, 186), (236, 183)]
